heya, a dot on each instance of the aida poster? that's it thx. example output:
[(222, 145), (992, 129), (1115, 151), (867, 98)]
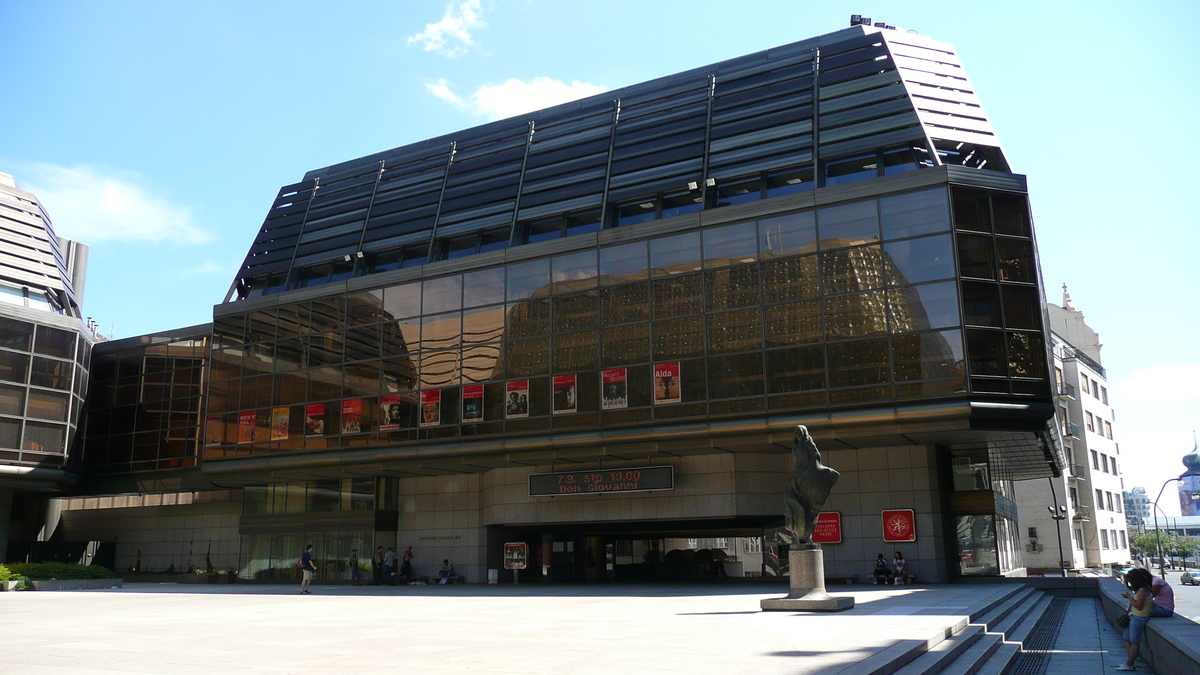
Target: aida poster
[(280, 418), (516, 399), (565, 392), (389, 412), (246, 427), (614, 389), (666, 383), (352, 416), (314, 419), (472, 403), (431, 408)]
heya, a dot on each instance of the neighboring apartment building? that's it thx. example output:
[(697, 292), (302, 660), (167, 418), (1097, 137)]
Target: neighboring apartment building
[(44, 353), (594, 328), (1095, 529)]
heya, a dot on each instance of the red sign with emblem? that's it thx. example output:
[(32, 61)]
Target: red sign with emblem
[(899, 525), (828, 528)]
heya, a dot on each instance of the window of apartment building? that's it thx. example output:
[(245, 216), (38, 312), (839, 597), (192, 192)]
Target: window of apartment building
[(1108, 430), (1095, 389), (1104, 463), (753, 545), (1099, 499), (1108, 501), (1124, 544), (1091, 421), (1119, 505), (721, 542), (1095, 460), (1064, 419), (1058, 377), (1104, 394), (1084, 383), (1104, 539), (1074, 499), (1078, 539)]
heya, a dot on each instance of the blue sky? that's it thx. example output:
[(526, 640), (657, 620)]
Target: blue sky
[(183, 120)]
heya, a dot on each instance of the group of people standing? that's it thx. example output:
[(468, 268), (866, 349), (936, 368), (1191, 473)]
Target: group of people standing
[(384, 569), (1152, 597)]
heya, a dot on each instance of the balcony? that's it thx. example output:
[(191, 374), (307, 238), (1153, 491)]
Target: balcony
[(1071, 431), (1078, 471), (1082, 513), (1034, 548), (1066, 391)]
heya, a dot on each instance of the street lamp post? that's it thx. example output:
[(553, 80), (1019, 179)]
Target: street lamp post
[(1192, 462), (1058, 514)]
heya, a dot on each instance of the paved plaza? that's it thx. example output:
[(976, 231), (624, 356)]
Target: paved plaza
[(212, 630)]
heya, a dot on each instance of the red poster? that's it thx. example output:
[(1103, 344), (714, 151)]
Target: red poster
[(431, 407), (515, 554), (565, 393), (314, 419), (614, 389), (828, 528), (666, 383), (899, 525), (472, 403), (246, 426), (389, 412), (516, 400), (352, 416)]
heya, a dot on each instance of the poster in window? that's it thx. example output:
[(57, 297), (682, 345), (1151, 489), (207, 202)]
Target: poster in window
[(516, 400), (214, 430), (280, 417), (666, 383), (472, 403), (431, 408), (314, 420), (246, 426), (390, 412), (614, 389), (352, 416), (565, 392)]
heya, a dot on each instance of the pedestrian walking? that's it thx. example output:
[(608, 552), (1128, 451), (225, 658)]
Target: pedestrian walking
[(354, 578), (377, 567), (307, 569), (406, 570), (389, 567)]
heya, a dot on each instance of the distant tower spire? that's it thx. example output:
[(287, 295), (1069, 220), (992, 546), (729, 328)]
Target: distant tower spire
[(1067, 304)]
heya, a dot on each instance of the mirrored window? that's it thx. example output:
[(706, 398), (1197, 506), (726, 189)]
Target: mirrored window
[(1022, 307), (788, 235), (796, 369), (914, 213), (528, 279), (676, 296), (793, 323), (924, 307), (849, 224), (484, 324), (623, 345), (531, 317), (738, 191), (976, 258), (680, 203), (483, 287), (981, 304), (623, 263), (791, 278), (16, 335), (986, 350), (439, 331), (1011, 214), (790, 181), (735, 331), (859, 363), (971, 210), (577, 311), (858, 315), (54, 342), (1016, 260), (928, 356), (731, 287), (852, 269), (736, 375), (730, 244), (400, 302), (674, 338), (1026, 355), (624, 304), (915, 260), (675, 255), (441, 295), (575, 271)]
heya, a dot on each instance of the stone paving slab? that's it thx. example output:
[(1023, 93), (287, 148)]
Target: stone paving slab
[(217, 629), (1087, 643)]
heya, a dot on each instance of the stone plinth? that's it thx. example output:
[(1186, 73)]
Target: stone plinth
[(807, 586)]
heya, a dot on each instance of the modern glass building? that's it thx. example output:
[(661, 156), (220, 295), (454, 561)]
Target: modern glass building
[(593, 329)]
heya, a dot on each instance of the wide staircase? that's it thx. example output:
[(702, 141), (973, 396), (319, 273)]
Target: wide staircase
[(1001, 637)]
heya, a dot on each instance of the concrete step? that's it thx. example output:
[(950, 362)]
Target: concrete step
[(975, 656), (944, 653), (1020, 633), (1004, 608), (995, 601), (1001, 660), (1012, 619)]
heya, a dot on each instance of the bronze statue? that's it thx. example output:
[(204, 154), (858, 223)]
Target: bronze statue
[(807, 489)]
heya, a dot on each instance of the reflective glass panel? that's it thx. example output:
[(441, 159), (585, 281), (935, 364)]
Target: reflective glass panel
[(485, 324), (986, 351), (852, 269), (441, 295), (739, 192), (676, 338), (858, 315), (577, 311), (730, 244), (791, 278), (575, 271), (13, 367), (1016, 260), (576, 351), (924, 307), (637, 212), (484, 287), (915, 260), (440, 331), (859, 363), (50, 373), (981, 304), (438, 369), (54, 342), (736, 375), (623, 345), (851, 169), (531, 317), (796, 369), (1011, 214), (976, 257), (731, 287), (735, 331), (1022, 307), (1026, 355), (928, 356), (528, 279), (914, 213), (623, 263), (971, 210), (675, 296), (675, 255), (480, 363), (793, 323), (788, 235), (525, 358), (682, 202), (787, 182), (402, 301), (623, 304), (849, 224)]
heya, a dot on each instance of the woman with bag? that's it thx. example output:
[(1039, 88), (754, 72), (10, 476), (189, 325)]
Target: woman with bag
[(1140, 603)]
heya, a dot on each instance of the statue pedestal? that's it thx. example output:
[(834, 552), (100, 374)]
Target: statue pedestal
[(807, 586)]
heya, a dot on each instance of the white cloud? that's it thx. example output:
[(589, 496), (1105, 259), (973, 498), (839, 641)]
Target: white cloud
[(206, 268), (1166, 383), (452, 35), (91, 205), (497, 101)]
